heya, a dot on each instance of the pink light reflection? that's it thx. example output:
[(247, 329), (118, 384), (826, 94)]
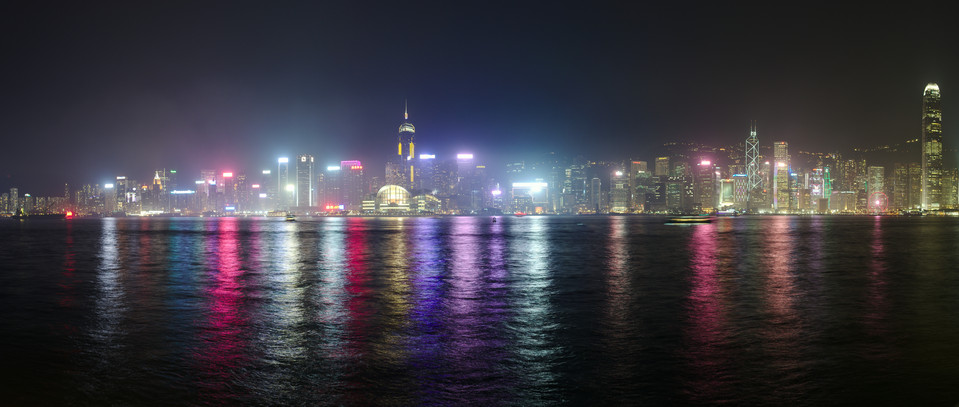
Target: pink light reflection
[(224, 333)]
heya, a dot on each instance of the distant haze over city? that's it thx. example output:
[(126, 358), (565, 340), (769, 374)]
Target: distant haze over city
[(91, 92)]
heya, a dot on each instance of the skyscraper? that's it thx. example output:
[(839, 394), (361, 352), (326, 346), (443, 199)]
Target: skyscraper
[(352, 185), (753, 180), (931, 148), (284, 189), (781, 190), (662, 167), (875, 187), (304, 181), (405, 153)]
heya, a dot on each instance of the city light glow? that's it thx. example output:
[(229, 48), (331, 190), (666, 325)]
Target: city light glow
[(283, 160), (464, 156), (427, 156)]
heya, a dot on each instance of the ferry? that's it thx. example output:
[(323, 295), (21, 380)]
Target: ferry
[(290, 217), (689, 220)]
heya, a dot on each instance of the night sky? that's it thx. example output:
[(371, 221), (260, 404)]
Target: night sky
[(93, 90)]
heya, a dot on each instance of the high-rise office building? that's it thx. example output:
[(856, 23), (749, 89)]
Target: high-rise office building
[(931, 148), (753, 179), (284, 189), (781, 190), (332, 197), (596, 201), (352, 185), (304, 181), (619, 192), (705, 188), (638, 184), (875, 187), (662, 167)]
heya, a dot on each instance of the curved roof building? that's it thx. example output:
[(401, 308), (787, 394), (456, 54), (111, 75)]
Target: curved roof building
[(392, 198)]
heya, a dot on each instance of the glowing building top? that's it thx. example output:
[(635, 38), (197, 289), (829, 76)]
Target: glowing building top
[(932, 165)]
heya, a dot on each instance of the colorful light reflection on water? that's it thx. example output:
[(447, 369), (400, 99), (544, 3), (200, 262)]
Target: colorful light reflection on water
[(463, 310)]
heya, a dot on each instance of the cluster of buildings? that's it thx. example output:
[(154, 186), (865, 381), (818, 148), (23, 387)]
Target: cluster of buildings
[(750, 177)]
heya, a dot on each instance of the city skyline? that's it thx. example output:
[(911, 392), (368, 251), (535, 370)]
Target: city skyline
[(144, 86), (687, 178)]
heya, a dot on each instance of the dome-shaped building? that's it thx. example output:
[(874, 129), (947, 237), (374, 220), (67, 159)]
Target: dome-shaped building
[(392, 198)]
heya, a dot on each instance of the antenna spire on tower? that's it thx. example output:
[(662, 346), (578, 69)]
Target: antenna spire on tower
[(406, 109)]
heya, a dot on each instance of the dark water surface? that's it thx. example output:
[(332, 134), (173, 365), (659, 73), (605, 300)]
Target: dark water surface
[(450, 311)]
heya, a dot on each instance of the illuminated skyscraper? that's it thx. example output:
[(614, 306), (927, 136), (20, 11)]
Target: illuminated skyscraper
[(284, 189), (875, 189), (753, 180), (405, 153), (619, 192), (705, 188), (352, 185), (931, 148), (304, 181), (781, 190)]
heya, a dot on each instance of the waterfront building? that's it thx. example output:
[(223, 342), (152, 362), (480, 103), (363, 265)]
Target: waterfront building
[(401, 169), (619, 192), (843, 202), (596, 202), (705, 187), (228, 193), (753, 177), (875, 189), (740, 191), (304, 182), (284, 189), (14, 200), (640, 185), (352, 185), (530, 197), (425, 171), (932, 168), (392, 199), (781, 187), (333, 199)]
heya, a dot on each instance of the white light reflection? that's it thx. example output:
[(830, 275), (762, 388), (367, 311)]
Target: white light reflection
[(534, 326), (333, 314), (109, 303), (284, 341)]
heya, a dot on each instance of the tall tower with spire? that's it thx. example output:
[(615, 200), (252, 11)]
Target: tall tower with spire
[(931, 148), (400, 171), (753, 180)]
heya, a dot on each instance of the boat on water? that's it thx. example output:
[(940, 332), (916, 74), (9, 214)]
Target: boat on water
[(23, 215), (689, 220), (290, 218)]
